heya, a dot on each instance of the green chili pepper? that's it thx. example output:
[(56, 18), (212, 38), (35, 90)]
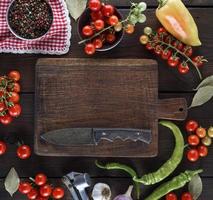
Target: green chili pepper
[(176, 183), (168, 167), (118, 166)]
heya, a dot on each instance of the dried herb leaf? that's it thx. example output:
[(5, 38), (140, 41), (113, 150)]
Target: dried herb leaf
[(195, 187), (11, 182), (206, 82), (76, 7), (203, 95)]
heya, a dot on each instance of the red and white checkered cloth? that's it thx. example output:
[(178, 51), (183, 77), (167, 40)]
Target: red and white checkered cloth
[(57, 41)]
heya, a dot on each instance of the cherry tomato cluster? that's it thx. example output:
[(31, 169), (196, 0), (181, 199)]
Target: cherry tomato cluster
[(23, 151), (184, 196), (40, 189), (172, 50), (9, 97), (199, 139)]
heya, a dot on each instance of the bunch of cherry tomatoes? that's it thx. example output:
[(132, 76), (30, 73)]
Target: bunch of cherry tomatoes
[(23, 151), (169, 48), (9, 97), (40, 189), (184, 196), (199, 139), (103, 25)]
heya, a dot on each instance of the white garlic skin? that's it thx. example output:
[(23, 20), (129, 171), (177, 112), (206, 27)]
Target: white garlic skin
[(97, 192)]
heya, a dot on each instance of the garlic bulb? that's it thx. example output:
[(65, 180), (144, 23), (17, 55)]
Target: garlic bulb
[(126, 196), (101, 191)]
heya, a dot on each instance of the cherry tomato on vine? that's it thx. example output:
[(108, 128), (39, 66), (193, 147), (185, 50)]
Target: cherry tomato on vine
[(46, 190), (187, 50), (15, 75), (32, 194), (158, 50), (193, 155), (3, 148), (58, 193), (113, 20), (202, 150), (40, 179), (97, 43), (183, 68), (201, 132), (166, 54), (193, 140), (16, 88), (14, 97), (191, 125), (95, 5), (210, 132), (89, 49), (173, 61), (6, 119), (171, 196), (96, 15), (149, 46), (23, 152), (87, 30), (15, 110), (99, 24), (177, 44), (144, 39), (41, 198), (129, 28), (161, 31), (186, 196), (107, 10), (2, 106), (25, 187), (199, 61), (110, 37), (207, 141)]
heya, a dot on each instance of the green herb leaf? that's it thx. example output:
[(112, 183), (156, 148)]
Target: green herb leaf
[(206, 82), (76, 7), (195, 187), (203, 95), (12, 182)]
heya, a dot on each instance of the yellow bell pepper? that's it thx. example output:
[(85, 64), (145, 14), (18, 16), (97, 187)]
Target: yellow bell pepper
[(178, 21)]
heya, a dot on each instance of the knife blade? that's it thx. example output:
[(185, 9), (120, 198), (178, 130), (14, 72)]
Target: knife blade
[(92, 136)]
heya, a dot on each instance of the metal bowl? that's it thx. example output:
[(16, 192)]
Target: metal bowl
[(84, 20), (20, 37)]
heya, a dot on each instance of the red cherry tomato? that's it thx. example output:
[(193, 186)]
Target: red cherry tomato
[(187, 50), (108, 10), (32, 194), (171, 196), (191, 125), (199, 61), (23, 152), (25, 187), (40, 179), (99, 24), (173, 61), (161, 31), (183, 68), (113, 20), (58, 193), (87, 30), (95, 5), (149, 46), (6, 119), (41, 198), (158, 50), (98, 43), (46, 190), (201, 132), (16, 88), (129, 29), (166, 54), (15, 110), (186, 196), (193, 155), (96, 15), (193, 140), (15, 75), (110, 37), (3, 148), (2, 106), (203, 151), (14, 97), (89, 49), (178, 44)]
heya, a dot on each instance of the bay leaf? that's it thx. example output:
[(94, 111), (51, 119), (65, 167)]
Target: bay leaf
[(12, 181), (76, 7), (203, 95), (206, 82), (195, 187)]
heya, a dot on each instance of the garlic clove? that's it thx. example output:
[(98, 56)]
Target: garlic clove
[(101, 191), (126, 196)]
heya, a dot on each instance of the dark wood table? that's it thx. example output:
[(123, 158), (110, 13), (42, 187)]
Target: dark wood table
[(171, 84)]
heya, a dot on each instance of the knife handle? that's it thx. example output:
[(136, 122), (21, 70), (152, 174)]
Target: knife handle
[(110, 134)]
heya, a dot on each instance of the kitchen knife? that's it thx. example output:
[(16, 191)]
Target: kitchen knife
[(92, 136)]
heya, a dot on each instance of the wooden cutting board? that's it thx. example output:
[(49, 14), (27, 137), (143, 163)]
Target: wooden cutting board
[(105, 93)]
